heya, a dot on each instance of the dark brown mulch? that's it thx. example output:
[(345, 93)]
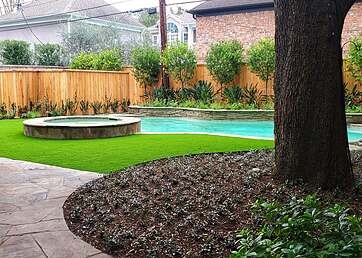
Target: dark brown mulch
[(181, 207)]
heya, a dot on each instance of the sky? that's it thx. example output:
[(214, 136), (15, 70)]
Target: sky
[(127, 5)]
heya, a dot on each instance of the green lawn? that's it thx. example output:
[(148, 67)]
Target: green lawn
[(107, 155)]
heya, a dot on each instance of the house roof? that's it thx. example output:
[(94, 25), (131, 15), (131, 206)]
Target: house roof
[(219, 6), (185, 17), (42, 8)]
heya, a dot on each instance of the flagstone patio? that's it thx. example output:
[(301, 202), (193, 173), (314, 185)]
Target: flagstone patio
[(31, 214)]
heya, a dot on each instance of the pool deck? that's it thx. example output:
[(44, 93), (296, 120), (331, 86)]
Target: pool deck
[(31, 214)]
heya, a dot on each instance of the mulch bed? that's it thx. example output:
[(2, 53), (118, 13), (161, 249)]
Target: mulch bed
[(182, 207)]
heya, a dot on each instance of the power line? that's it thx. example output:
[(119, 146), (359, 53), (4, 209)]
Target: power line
[(98, 16), (79, 19), (188, 2), (83, 9), (27, 23), (29, 2), (104, 5)]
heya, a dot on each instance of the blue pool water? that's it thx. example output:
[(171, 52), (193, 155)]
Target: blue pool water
[(248, 128)]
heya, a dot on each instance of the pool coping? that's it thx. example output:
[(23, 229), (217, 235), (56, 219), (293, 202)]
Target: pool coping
[(212, 134), (221, 134)]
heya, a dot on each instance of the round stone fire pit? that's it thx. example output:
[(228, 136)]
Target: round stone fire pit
[(81, 127)]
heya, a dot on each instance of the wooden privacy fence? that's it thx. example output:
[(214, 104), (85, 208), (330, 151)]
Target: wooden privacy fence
[(21, 86)]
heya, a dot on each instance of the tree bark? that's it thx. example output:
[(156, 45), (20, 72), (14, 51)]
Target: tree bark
[(310, 123)]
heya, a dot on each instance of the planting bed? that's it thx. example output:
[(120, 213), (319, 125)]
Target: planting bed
[(187, 206)]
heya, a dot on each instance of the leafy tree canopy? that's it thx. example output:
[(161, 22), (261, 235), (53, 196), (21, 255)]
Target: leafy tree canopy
[(355, 58), (180, 62), (224, 60)]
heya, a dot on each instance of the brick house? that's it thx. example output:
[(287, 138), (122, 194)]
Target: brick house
[(248, 21)]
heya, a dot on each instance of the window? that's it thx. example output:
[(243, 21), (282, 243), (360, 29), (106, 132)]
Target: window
[(194, 34), (172, 28), (186, 37), (172, 38), (172, 32), (154, 39)]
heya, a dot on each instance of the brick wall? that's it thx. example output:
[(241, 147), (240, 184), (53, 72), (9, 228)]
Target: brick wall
[(249, 27)]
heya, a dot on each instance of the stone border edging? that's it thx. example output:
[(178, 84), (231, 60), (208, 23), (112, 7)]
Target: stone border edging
[(352, 118)]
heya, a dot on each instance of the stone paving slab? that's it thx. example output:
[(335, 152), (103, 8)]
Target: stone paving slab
[(31, 214)]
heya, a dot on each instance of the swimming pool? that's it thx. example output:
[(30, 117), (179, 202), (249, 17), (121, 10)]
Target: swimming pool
[(247, 128)]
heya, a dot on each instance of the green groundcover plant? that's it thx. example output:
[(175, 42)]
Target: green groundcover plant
[(301, 228)]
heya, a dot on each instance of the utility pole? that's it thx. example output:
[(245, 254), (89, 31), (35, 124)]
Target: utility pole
[(163, 32)]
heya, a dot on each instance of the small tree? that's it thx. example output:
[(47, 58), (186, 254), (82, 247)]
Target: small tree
[(149, 20), (146, 63), (91, 38), (355, 58), (49, 54), (224, 60), (180, 62), (15, 52), (261, 60)]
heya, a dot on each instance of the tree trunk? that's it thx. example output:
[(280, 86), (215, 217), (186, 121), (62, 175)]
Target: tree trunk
[(266, 88), (310, 122)]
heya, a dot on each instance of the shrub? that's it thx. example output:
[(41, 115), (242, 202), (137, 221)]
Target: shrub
[(83, 61), (252, 96), (97, 107), (115, 105), (184, 94), (49, 55), (11, 114), (163, 94), (301, 228), (23, 110), (84, 106), (146, 63), (108, 60), (261, 60), (3, 110), (354, 62), (107, 104), (353, 97), (63, 109), (203, 92), (180, 62), (15, 52), (125, 103), (233, 94), (30, 115), (224, 60), (71, 105)]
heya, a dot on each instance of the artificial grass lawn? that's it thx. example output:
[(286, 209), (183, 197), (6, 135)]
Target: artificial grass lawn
[(112, 154)]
